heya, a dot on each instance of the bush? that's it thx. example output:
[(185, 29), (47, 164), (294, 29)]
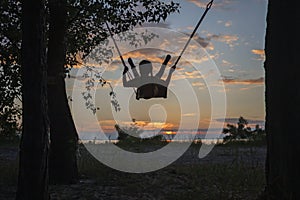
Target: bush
[(242, 132), (10, 126)]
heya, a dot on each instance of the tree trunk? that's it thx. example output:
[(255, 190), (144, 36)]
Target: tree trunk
[(282, 100), (33, 163), (64, 138)]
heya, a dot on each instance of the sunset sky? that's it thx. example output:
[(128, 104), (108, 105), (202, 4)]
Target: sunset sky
[(235, 31), (232, 40)]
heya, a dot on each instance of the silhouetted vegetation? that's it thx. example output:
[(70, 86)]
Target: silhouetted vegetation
[(129, 138), (10, 126), (241, 131), (70, 27), (10, 72), (235, 181)]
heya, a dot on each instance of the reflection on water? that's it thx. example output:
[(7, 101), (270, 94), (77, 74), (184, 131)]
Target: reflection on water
[(199, 136), (195, 141)]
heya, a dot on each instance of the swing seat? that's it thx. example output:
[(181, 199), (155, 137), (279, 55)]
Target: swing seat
[(151, 90)]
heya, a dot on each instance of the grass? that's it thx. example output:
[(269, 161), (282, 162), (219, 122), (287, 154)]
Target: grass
[(8, 173), (8, 168), (240, 143), (236, 180), (194, 181)]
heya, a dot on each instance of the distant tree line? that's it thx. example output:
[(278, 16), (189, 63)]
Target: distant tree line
[(242, 131)]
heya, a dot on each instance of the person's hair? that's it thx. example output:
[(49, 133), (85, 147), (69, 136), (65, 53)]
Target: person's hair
[(143, 62), (145, 67)]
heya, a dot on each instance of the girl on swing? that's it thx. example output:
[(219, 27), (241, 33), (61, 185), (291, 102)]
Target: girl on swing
[(148, 86)]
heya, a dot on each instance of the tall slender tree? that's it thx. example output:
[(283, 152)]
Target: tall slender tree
[(74, 26), (62, 162), (33, 167), (79, 27), (282, 100)]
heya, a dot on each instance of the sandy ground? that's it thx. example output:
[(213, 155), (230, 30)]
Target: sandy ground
[(254, 156)]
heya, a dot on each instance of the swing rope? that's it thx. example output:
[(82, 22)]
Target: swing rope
[(208, 6), (126, 71)]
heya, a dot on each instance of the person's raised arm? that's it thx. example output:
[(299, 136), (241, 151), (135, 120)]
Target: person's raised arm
[(163, 67), (125, 82), (172, 69), (133, 68)]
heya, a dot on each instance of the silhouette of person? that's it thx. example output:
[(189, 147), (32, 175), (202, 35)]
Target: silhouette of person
[(148, 86)]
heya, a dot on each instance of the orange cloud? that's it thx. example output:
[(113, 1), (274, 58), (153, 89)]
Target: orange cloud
[(153, 55), (108, 125), (260, 53), (226, 63), (228, 23), (198, 3), (233, 81), (220, 4), (189, 114), (230, 40)]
